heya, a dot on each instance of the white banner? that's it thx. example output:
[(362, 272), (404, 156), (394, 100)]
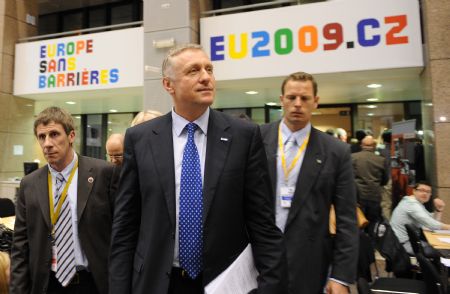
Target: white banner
[(86, 62), (325, 37)]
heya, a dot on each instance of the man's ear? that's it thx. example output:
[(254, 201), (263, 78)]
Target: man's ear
[(167, 84)]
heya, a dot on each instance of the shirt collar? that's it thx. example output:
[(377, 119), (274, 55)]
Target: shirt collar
[(67, 170), (299, 135), (179, 122)]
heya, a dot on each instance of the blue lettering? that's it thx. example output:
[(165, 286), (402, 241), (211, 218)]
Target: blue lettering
[(216, 48), (264, 41), (42, 81), (363, 40), (114, 75)]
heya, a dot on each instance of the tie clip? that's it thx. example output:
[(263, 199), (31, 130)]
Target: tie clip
[(224, 139)]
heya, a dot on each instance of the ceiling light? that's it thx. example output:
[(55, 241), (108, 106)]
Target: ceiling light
[(109, 122), (316, 113), (442, 118), (28, 105), (113, 110), (374, 86), (370, 114), (78, 117), (371, 106), (420, 132), (71, 102), (251, 92), (271, 104), (372, 99), (88, 126), (429, 104)]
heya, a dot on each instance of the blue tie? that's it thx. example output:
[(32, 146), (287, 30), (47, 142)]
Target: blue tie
[(191, 206)]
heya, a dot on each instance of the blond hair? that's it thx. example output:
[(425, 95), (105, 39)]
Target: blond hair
[(4, 276), (145, 116)]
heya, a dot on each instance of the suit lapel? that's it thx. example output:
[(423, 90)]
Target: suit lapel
[(161, 145), (86, 180), (41, 187), (218, 143), (271, 145), (313, 162)]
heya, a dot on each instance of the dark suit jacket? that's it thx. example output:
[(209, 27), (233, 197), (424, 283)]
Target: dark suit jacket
[(31, 250), (325, 178), (237, 207)]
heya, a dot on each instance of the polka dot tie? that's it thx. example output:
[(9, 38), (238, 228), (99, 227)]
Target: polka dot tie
[(191, 206)]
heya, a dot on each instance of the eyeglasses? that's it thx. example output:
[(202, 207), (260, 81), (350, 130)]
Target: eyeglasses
[(115, 156), (424, 191)]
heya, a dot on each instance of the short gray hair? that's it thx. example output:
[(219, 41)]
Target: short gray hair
[(166, 65)]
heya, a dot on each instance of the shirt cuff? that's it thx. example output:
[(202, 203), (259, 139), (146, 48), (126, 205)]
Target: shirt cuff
[(340, 282)]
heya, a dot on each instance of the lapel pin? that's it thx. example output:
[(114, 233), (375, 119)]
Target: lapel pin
[(224, 139), (319, 161), (90, 180)]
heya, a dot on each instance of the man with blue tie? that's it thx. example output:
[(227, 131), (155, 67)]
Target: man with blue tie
[(194, 192), (64, 212)]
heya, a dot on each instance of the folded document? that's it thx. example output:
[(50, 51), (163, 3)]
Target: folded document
[(238, 278)]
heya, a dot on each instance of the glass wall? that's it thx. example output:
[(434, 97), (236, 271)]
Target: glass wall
[(92, 131), (115, 12)]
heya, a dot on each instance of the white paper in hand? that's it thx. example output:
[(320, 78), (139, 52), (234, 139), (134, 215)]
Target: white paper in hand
[(238, 278)]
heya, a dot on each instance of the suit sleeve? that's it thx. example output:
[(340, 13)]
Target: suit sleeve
[(20, 274), (345, 249), (265, 237), (126, 224)]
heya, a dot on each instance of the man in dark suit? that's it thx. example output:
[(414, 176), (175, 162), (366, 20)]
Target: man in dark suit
[(155, 249), (63, 217), (310, 171)]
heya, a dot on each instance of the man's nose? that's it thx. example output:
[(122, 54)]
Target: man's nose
[(205, 75), (298, 101), (47, 142)]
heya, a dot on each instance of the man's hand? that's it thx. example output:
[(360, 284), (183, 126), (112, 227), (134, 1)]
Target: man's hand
[(439, 204), (334, 287)]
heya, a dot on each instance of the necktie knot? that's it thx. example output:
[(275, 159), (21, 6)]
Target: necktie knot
[(191, 128), (60, 178)]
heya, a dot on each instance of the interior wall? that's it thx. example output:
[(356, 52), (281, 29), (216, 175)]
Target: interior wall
[(17, 143)]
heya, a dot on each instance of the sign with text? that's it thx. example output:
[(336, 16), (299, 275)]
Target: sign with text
[(86, 62), (325, 37)]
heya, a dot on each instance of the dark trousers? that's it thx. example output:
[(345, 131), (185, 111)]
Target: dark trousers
[(181, 283), (82, 283), (371, 209)]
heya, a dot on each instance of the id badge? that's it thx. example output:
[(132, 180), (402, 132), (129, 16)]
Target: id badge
[(54, 266), (286, 196)]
